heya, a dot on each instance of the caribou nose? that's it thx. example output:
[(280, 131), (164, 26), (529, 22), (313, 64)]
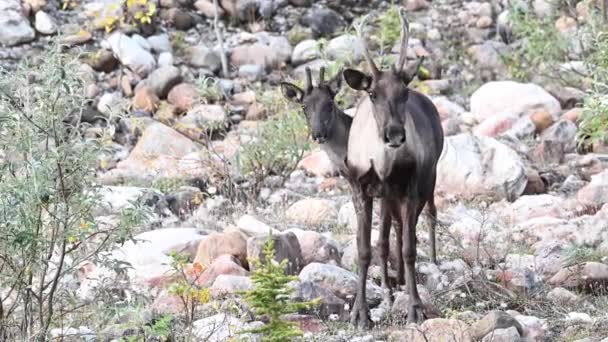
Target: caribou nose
[(319, 137), (394, 136)]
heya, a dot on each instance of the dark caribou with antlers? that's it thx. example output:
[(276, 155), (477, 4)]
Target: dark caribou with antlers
[(330, 127), (394, 145)]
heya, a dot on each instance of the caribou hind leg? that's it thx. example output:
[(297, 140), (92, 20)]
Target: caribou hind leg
[(363, 207), (410, 209), (432, 215)]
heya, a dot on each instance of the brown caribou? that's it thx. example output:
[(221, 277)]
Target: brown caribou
[(394, 146)]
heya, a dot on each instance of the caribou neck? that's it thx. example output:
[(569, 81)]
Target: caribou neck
[(337, 147)]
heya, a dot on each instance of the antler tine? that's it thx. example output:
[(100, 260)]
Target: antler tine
[(366, 54), (321, 76), (308, 82), (405, 37)]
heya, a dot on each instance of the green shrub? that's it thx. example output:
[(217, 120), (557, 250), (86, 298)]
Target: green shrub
[(270, 297), (47, 182), (278, 145), (544, 49)]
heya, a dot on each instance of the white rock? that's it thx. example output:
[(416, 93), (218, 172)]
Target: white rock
[(117, 198), (347, 216), (221, 328), (345, 46), (15, 29), (45, 24), (131, 54), (341, 282), (147, 254), (254, 227), (579, 317), (111, 104), (500, 97), (470, 166), (305, 51), (165, 59)]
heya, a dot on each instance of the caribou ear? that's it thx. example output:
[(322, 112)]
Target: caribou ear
[(356, 79), (335, 83), (292, 92)]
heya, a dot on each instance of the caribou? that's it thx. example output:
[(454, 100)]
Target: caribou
[(330, 126), (394, 145)]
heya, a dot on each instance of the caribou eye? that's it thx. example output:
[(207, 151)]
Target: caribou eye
[(372, 95)]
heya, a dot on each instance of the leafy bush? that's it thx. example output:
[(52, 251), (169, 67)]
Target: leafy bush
[(279, 144), (544, 49), (270, 297), (186, 289), (389, 30), (47, 172)]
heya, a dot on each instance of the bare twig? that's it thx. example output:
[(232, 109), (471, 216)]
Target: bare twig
[(220, 38)]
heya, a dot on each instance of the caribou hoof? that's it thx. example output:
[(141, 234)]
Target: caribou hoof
[(415, 314), (359, 317)]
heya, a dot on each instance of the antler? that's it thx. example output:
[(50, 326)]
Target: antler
[(405, 37), (368, 58), (321, 76), (308, 82)]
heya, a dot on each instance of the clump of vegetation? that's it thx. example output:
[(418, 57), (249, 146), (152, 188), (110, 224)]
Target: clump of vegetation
[(185, 287), (137, 13), (270, 297), (47, 181), (209, 89), (389, 30), (545, 49), (278, 146)]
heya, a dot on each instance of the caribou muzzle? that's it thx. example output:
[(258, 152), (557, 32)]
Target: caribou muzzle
[(394, 135)]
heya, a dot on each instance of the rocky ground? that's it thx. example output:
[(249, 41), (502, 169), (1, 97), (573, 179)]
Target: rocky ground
[(523, 234)]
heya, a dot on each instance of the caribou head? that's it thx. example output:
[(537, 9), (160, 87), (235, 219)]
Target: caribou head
[(317, 102), (387, 90)]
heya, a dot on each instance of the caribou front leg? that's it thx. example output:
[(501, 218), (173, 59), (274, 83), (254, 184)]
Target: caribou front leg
[(410, 212), (363, 206), (384, 246)]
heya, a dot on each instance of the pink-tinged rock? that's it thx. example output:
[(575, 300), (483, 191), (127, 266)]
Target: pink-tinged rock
[(312, 212), (212, 246), (498, 97), (495, 319), (596, 192), (226, 284), (446, 108), (157, 154), (167, 303), (534, 328), (586, 275), (183, 96), (496, 125), (533, 206), (437, 329), (222, 265), (573, 115), (317, 247), (317, 163)]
